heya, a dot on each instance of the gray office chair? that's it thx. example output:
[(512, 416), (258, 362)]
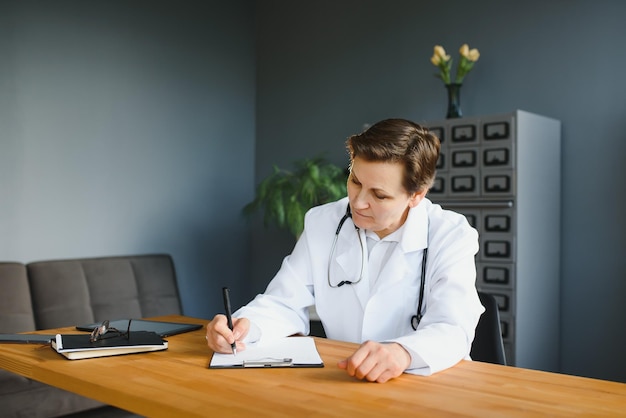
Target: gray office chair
[(488, 346)]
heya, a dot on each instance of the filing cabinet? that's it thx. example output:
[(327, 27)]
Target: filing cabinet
[(503, 173)]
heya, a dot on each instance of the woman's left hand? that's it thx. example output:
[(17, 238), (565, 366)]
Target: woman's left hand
[(377, 362)]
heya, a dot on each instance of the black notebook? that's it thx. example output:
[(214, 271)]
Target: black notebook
[(79, 346), (164, 329)]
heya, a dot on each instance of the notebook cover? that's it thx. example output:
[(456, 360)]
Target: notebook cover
[(78, 346)]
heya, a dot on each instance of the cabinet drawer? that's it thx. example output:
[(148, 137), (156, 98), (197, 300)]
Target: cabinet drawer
[(501, 275), (464, 183), (498, 183)]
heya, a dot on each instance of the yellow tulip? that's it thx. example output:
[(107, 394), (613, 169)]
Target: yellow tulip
[(464, 50), (473, 55), (441, 53)]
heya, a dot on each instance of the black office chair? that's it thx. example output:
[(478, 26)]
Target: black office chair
[(488, 346)]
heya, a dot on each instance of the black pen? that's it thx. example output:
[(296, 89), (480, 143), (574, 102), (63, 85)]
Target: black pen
[(229, 315)]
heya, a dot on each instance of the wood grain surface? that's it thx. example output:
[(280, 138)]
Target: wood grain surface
[(177, 382)]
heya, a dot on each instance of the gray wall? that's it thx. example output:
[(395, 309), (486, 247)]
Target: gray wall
[(327, 67), (127, 127)]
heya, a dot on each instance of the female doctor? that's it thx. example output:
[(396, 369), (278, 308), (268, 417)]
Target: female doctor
[(384, 267)]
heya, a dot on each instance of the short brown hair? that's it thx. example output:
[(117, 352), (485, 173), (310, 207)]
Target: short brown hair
[(403, 141)]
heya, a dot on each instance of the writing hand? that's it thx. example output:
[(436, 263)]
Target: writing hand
[(219, 337), (377, 362)]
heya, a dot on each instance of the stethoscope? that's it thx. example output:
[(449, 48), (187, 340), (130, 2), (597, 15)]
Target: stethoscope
[(415, 319)]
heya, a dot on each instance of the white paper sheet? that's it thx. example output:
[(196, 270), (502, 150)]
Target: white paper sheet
[(301, 350)]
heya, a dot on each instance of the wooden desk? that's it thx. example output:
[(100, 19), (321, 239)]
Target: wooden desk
[(177, 382)]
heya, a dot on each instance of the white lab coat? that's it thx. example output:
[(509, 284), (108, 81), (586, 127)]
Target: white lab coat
[(357, 313)]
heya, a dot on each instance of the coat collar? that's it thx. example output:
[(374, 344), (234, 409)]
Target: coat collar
[(415, 234)]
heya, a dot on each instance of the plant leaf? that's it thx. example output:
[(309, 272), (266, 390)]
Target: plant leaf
[(285, 196)]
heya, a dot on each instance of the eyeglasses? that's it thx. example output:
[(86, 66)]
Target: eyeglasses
[(105, 331)]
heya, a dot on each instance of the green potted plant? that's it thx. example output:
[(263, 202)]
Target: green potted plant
[(285, 195)]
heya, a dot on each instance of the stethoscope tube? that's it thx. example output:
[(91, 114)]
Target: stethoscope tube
[(332, 250), (417, 318)]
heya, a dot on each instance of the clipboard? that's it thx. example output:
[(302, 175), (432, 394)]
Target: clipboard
[(294, 352)]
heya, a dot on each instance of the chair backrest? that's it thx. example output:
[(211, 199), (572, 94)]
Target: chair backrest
[(16, 310), (488, 346), (71, 292)]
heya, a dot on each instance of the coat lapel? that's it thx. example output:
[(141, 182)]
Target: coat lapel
[(402, 263)]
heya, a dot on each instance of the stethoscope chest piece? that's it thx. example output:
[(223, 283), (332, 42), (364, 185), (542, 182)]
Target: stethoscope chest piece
[(415, 321)]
